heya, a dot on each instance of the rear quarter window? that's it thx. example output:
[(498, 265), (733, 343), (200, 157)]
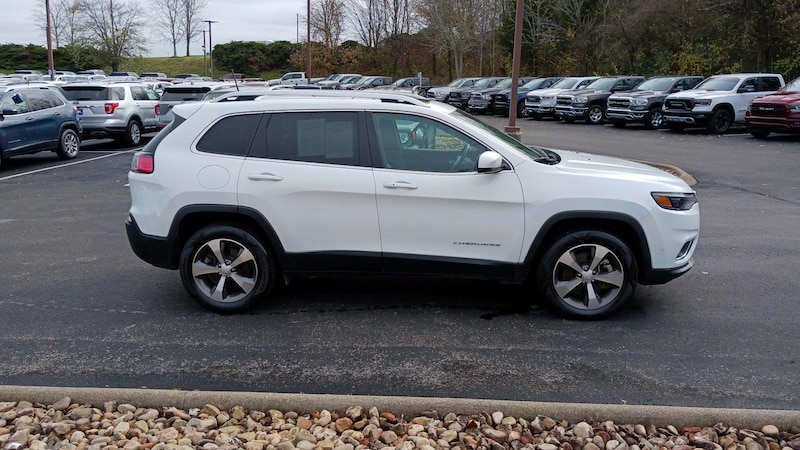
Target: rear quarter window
[(232, 135), (93, 93)]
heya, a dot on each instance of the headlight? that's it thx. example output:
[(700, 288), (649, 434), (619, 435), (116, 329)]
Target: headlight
[(794, 108), (581, 99), (705, 102), (487, 96), (676, 201), (640, 101)]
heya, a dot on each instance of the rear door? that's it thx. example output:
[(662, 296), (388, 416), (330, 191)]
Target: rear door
[(145, 106), (45, 121)]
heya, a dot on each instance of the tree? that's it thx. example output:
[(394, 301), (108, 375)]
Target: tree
[(191, 24), (64, 25), (327, 22), (368, 19), (167, 19), (114, 27), (452, 26)]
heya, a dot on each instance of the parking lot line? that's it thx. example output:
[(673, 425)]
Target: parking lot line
[(45, 169)]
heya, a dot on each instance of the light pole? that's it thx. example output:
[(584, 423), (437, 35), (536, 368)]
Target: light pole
[(205, 67), (308, 41), (210, 48), (50, 65)]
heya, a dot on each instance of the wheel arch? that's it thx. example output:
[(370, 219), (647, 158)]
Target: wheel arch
[(189, 219), (625, 227), (728, 107)]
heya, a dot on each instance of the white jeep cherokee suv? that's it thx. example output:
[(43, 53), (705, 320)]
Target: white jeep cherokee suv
[(719, 101), (240, 196)]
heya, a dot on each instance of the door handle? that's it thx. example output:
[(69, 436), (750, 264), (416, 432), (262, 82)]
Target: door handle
[(264, 177), (400, 185)]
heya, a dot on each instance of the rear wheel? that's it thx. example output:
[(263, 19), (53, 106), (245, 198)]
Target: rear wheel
[(68, 144), (587, 273), (226, 268), (133, 134)]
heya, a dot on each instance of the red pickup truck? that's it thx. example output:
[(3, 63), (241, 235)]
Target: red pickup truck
[(775, 113)]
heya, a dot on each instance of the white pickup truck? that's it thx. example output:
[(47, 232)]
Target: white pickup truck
[(293, 78)]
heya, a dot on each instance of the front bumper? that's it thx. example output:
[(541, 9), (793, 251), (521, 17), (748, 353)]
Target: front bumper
[(687, 118), (571, 111), (627, 115), (776, 124), (478, 105)]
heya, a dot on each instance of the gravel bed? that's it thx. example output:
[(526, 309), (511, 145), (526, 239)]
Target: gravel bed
[(65, 425)]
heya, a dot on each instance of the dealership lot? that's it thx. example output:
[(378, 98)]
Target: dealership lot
[(81, 309)]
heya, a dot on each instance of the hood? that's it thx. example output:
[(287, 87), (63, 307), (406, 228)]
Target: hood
[(699, 93), (548, 91), (581, 91), (578, 162), (780, 98), (639, 94), (490, 90)]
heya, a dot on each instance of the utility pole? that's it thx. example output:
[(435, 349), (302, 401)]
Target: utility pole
[(48, 31), (308, 41), (210, 48), (512, 129)]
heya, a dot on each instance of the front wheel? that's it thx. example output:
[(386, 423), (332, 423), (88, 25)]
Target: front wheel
[(226, 268), (720, 121), (653, 119), (587, 273), (68, 144), (595, 115)]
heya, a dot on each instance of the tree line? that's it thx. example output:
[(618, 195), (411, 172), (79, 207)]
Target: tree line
[(446, 39)]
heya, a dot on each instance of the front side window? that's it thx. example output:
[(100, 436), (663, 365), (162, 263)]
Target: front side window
[(319, 137), (14, 104), (408, 142)]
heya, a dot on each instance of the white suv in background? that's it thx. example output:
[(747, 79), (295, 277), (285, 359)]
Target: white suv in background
[(719, 101), (240, 196)]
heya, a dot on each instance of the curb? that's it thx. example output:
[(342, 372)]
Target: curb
[(410, 406)]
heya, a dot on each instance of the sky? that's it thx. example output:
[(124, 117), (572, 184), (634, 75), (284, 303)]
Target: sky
[(237, 20)]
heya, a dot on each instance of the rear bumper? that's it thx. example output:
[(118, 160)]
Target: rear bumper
[(156, 251)]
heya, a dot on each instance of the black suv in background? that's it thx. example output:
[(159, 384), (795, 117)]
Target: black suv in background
[(643, 104), (37, 119), (589, 103)]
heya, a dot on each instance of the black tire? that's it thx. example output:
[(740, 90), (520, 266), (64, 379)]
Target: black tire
[(720, 121), (133, 134), (247, 272), (521, 109), (566, 266), (653, 119), (595, 115), (759, 134), (69, 144)]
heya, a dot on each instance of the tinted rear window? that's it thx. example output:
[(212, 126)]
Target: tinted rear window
[(93, 93), (184, 94)]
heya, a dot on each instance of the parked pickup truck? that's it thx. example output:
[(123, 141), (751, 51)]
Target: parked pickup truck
[(778, 113), (719, 101), (643, 104), (293, 78)]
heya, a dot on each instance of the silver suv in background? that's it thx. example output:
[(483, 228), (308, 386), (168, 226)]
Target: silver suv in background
[(119, 110), (182, 93)]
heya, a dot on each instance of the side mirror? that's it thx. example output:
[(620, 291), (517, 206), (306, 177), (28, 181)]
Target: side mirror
[(9, 112), (490, 162)]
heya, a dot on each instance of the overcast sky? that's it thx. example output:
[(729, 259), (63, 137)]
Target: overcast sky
[(237, 20)]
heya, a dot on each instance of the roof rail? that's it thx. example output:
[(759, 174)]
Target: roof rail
[(384, 96)]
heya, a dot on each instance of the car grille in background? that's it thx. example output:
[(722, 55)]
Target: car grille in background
[(619, 102), (679, 104), (533, 98), (766, 109), (500, 98), (564, 100)]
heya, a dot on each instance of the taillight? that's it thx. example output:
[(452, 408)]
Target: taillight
[(158, 109), (142, 163), (111, 107)]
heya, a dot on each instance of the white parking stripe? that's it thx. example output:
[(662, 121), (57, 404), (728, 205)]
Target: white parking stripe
[(67, 164)]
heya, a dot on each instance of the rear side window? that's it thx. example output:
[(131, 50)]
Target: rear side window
[(324, 137), (55, 100), (770, 84), (230, 136), (183, 94), (38, 101)]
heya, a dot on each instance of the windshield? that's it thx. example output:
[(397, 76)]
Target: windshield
[(533, 84), (793, 86), (485, 82), (718, 84), (505, 84), (531, 152), (602, 84), (656, 84), (566, 83), (456, 83)]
